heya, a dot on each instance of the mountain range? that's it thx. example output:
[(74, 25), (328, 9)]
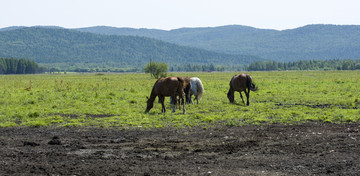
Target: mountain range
[(308, 42), (59, 46), (224, 45)]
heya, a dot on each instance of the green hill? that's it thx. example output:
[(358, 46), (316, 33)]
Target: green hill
[(224, 45), (69, 47), (304, 43)]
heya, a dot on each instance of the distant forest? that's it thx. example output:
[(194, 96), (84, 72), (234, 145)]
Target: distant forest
[(320, 42), (256, 66), (224, 48), (305, 65), (66, 49), (24, 66), (19, 66)]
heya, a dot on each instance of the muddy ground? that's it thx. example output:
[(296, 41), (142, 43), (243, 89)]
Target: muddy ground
[(307, 149)]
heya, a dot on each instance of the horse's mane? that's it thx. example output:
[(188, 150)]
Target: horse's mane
[(186, 80), (156, 83), (231, 87), (152, 94)]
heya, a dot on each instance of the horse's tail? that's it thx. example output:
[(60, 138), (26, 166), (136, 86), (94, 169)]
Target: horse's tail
[(250, 84), (200, 89), (180, 91)]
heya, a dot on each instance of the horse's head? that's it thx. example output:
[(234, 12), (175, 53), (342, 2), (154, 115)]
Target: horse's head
[(187, 93), (149, 105), (230, 96)]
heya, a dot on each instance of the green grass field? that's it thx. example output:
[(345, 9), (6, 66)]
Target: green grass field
[(119, 100)]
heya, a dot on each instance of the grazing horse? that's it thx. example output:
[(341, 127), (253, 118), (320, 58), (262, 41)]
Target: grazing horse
[(187, 87), (241, 83), (196, 89), (171, 86)]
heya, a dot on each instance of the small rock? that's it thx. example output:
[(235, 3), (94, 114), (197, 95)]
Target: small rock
[(55, 141), (31, 143)]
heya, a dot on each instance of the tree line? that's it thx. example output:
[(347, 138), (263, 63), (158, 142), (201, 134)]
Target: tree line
[(305, 65), (198, 68), (147, 68), (160, 69), (19, 66), (24, 66)]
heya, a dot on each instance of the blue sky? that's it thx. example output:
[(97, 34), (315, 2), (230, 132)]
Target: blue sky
[(173, 14)]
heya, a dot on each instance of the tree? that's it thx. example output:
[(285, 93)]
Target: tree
[(156, 69), (3, 67), (19, 66)]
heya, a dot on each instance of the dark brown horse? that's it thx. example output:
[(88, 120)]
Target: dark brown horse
[(164, 87), (187, 87), (241, 83)]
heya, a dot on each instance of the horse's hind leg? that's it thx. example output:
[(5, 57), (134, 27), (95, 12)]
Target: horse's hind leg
[(179, 103), (175, 100), (242, 97), (191, 101), (182, 100), (247, 97), (181, 96), (188, 98), (197, 100)]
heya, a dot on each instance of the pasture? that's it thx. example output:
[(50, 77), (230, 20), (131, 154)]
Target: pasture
[(298, 123), (119, 100)]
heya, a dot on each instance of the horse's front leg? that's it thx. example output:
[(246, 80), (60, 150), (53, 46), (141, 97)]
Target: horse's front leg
[(242, 97), (163, 108), (162, 99)]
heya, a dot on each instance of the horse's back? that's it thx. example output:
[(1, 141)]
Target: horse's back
[(167, 86), (239, 82), (197, 84), (197, 87), (194, 79)]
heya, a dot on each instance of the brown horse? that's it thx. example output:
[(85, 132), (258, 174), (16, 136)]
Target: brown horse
[(187, 87), (164, 87), (241, 83)]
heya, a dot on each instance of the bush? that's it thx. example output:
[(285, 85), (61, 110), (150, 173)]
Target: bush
[(156, 69)]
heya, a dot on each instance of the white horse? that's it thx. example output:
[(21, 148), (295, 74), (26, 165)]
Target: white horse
[(197, 89)]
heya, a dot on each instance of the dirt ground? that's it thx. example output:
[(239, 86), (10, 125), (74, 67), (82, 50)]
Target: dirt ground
[(307, 149)]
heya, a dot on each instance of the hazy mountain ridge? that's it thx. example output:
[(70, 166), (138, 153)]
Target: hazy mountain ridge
[(58, 45), (303, 43), (123, 47)]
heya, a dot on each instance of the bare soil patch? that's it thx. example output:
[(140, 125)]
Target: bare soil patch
[(306, 149)]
